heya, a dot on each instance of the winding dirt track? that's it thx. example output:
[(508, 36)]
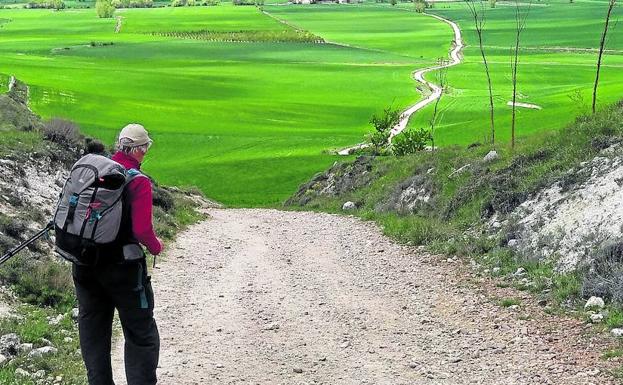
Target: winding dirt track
[(434, 89), (271, 297)]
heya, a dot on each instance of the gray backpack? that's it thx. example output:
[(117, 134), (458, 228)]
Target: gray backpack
[(90, 218)]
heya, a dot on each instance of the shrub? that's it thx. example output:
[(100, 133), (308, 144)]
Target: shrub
[(46, 4), (43, 283), (604, 278), (162, 198), (12, 227), (383, 125), (62, 131), (105, 9), (248, 2), (411, 141), (94, 146)]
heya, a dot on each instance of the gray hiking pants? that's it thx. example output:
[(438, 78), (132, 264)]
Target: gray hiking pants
[(127, 288)]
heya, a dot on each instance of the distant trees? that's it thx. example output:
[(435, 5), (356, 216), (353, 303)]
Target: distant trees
[(248, 2), (132, 3), (420, 6), (521, 16), (193, 3), (602, 46), (479, 16), (48, 4), (104, 9)]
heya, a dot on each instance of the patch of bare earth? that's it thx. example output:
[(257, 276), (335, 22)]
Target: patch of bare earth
[(271, 297)]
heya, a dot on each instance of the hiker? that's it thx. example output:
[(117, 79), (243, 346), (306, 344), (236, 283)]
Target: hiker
[(116, 281)]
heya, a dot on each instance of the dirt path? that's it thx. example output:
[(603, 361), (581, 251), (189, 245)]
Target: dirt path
[(118, 24), (270, 297), (434, 89)]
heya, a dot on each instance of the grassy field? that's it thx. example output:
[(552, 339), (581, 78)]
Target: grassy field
[(246, 122), (555, 66)]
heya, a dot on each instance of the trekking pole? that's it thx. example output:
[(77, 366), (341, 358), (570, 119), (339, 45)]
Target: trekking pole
[(11, 253)]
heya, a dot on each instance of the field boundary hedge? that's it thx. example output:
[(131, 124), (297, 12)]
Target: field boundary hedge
[(286, 36)]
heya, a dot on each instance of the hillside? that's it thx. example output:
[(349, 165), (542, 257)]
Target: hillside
[(544, 218)]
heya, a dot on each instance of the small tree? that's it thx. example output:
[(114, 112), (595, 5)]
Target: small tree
[(602, 46), (492, 3), (104, 9), (58, 4), (383, 124), (479, 23), (520, 25), (442, 81), (393, 2), (420, 6)]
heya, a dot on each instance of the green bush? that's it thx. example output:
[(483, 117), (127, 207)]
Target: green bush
[(105, 9), (383, 124), (411, 141), (39, 282)]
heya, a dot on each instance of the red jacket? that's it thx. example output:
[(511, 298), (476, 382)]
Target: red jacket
[(140, 199)]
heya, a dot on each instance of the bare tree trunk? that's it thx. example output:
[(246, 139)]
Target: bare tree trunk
[(520, 25), (441, 81), (602, 46), (479, 23)]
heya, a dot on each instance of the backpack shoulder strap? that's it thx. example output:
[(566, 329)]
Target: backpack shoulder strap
[(133, 174)]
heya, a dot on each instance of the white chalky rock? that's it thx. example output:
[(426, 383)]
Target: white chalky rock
[(56, 320), (596, 318), (9, 342), (39, 374), (41, 352), (617, 332), (349, 206), (594, 302), (491, 156)]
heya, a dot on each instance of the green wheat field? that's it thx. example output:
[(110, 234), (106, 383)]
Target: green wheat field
[(247, 103)]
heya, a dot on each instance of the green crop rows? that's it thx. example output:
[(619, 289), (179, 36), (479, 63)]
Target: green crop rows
[(247, 108)]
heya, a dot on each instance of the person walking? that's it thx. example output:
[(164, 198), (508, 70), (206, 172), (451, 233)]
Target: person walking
[(120, 281)]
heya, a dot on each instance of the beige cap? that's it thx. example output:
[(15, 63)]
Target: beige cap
[(133, 135)]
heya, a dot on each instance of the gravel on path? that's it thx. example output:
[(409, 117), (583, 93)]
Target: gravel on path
[(272, 297)]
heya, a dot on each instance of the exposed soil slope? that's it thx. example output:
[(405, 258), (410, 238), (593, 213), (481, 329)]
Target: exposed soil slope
[(271, 297)]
